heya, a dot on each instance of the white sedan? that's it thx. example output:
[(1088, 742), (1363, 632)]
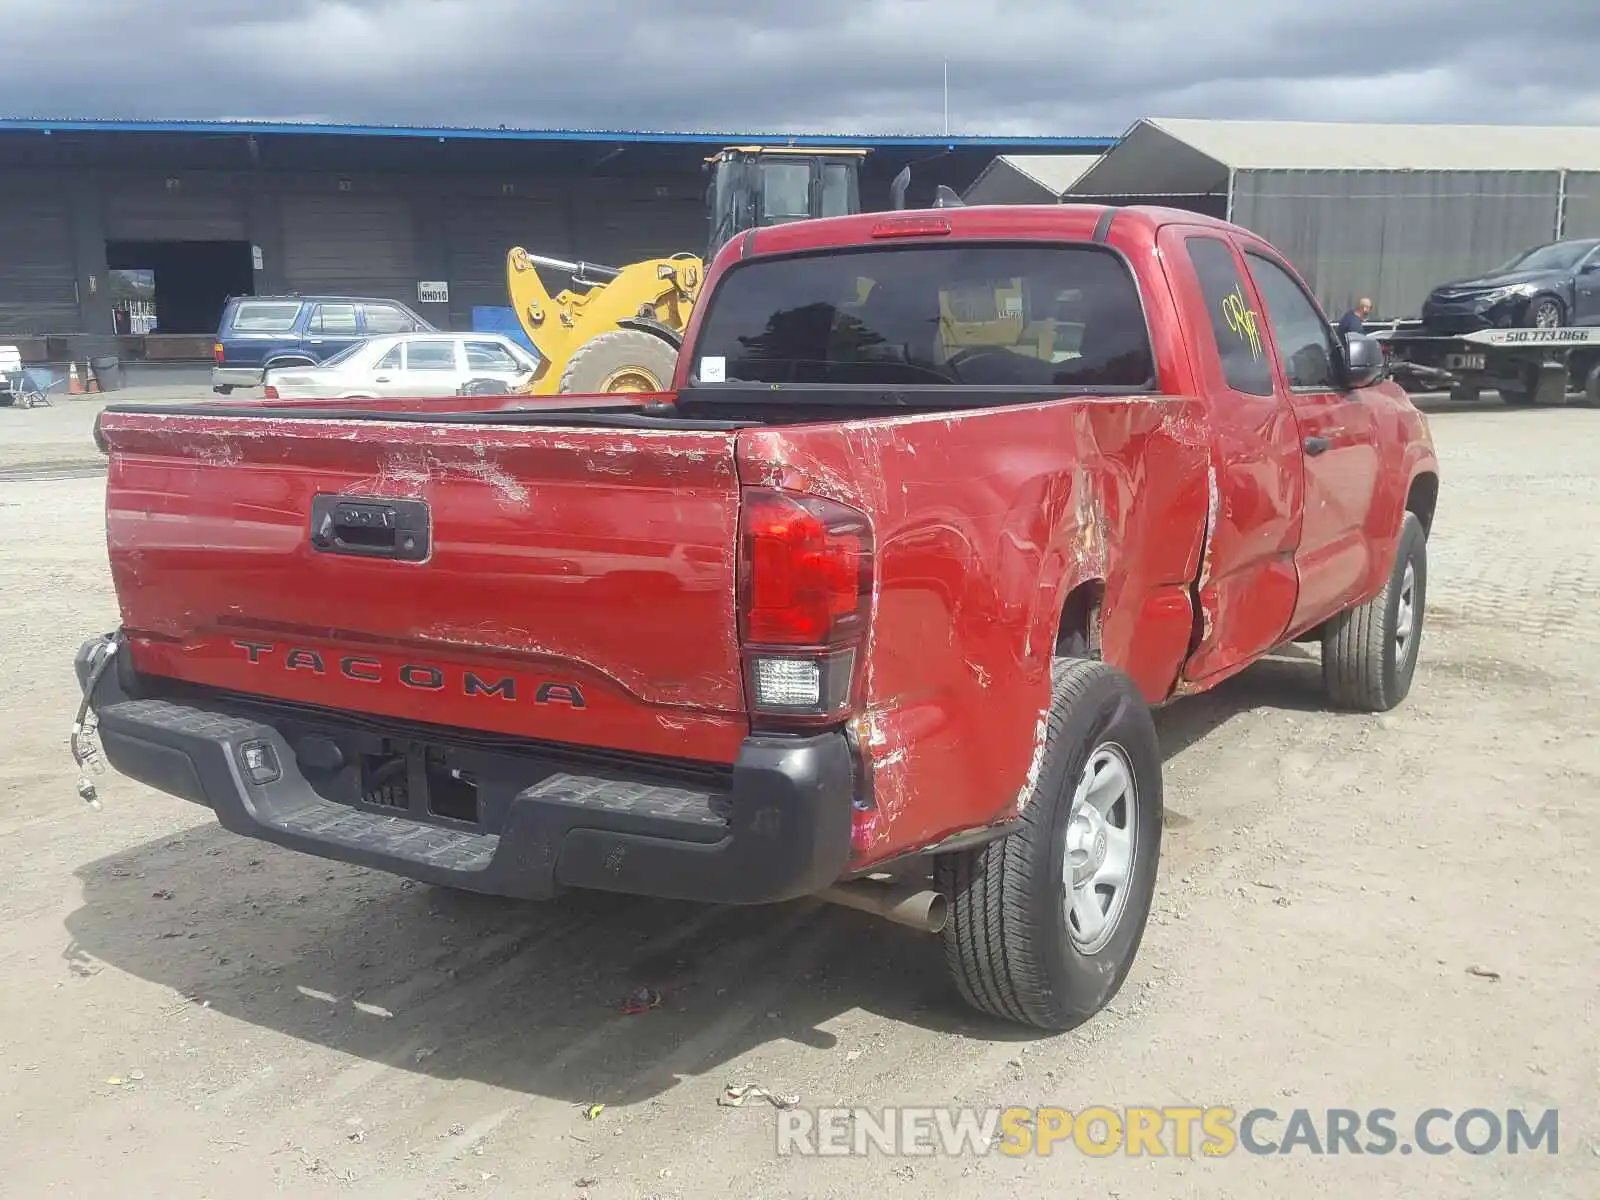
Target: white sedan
[(413, 364)]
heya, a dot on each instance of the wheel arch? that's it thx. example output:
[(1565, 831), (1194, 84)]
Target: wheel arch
[(1078, 627), (1422, 498)]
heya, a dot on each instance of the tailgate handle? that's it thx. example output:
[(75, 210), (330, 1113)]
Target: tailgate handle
[(371, 528)]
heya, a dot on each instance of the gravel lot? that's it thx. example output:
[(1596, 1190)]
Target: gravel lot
[(276, 1024)]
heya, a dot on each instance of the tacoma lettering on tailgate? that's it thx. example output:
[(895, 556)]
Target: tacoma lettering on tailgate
[(424, 677)]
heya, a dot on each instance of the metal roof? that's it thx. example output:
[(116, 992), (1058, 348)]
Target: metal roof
[(1056, 173), (503, 133), (1335, 146)]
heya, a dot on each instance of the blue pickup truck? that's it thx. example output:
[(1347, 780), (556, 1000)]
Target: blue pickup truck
[(258, 333)]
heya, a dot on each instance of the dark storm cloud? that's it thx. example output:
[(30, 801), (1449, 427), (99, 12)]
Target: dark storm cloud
[(1056, 66)]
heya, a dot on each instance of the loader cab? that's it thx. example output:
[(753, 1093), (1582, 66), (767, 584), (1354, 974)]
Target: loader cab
[(754, 186)]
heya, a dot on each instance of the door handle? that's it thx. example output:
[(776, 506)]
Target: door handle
[(397, 529), (380, 379), (1316, 445)]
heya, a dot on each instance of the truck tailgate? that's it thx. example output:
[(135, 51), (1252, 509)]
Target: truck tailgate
[(569, 585)]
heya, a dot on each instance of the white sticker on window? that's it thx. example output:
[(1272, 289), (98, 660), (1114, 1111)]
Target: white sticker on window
[(1013, 306), (713, 369)]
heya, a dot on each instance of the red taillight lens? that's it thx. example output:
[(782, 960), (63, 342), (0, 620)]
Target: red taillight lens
[(805, 590), (216, 351), (807, 570), (270, 392)]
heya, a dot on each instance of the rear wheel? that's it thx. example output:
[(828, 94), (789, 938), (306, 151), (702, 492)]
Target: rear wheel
[(624, 360), (1369, 653), (1044, 924)]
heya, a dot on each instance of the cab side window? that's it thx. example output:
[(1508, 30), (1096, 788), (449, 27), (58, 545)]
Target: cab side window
[(1304, 337), (1235, 327)]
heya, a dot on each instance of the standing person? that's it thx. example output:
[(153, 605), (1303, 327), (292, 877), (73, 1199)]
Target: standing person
[(1355, 321)]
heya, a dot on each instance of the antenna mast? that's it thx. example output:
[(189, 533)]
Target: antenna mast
[(947, 97)]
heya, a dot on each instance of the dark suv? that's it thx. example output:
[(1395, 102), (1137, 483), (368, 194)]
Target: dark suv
[(258, 333)]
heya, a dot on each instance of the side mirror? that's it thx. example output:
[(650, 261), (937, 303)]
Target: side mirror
[(1590, 267), (1364, 363)]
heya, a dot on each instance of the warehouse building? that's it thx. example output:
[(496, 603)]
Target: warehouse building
[(1386, 211), (126, 237)]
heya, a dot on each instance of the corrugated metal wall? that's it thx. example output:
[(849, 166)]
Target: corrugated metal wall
[(151, 213), (349, 243), (1395, 235), (38, 274), (619, 221), (1583, 204), (481, 230)]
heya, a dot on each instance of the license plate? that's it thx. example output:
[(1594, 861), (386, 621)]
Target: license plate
[(1463, 362)]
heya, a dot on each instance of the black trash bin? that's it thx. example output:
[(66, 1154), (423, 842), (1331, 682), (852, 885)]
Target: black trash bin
[(107, 372)]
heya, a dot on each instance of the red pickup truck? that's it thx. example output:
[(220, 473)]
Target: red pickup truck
[(873, 606)]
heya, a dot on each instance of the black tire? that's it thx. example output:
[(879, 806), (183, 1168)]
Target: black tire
[(1521, 392), (1364, 665), (1546, 312), (1591, 388), (1008, 941), (621, 357)]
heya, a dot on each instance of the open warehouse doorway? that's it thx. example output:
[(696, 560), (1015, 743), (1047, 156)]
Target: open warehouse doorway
[(176, 286), (176, 252)]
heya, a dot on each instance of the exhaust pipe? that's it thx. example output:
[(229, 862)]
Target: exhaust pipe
[(921, 908)]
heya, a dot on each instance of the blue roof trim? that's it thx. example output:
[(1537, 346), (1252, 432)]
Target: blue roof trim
[(452, 133)]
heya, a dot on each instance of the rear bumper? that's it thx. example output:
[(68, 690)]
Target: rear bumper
[(775, 828), (244, 377)]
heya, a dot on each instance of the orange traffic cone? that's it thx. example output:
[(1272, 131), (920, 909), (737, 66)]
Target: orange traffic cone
[(91, 380), (74, 386)]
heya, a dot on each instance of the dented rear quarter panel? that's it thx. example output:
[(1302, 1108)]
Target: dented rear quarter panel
[(984, 522)]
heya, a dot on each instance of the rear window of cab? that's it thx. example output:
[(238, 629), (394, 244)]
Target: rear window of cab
[(975, 315), (265, 316)]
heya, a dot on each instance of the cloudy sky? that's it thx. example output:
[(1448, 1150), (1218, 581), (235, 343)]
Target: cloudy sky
[(1020, 67)]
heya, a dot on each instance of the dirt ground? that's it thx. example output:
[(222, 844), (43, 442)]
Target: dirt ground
[(281, 1025)]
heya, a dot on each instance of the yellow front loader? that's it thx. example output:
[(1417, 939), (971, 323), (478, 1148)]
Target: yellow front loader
[(618, 329)]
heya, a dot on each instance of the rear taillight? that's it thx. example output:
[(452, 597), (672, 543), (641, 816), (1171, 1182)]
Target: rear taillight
[(805, 593), (270, 392), (216, 351)]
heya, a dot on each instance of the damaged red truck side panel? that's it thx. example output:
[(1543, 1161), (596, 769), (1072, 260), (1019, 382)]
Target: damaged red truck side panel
[(981, 539), (874, 605)]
